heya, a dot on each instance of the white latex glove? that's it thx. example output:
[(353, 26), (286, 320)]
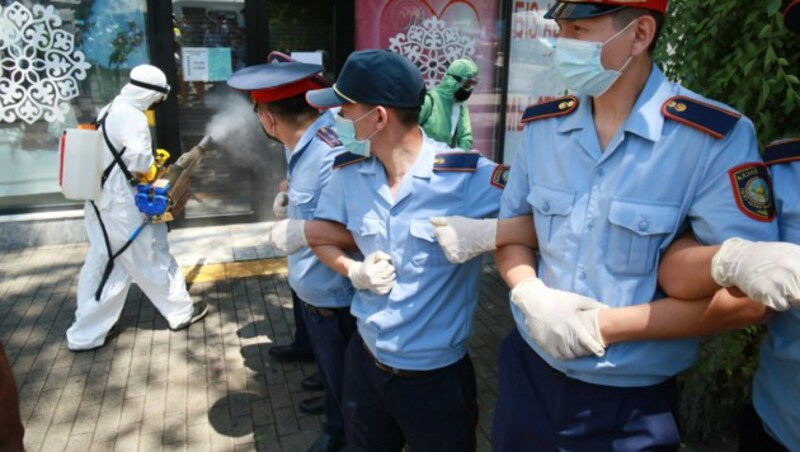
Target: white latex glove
[(280, 205), (288, 236), (767, 272), (463, 238), (376, 273), (564, 324)]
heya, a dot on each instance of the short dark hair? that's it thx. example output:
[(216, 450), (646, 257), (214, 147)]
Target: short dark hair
[(407, 116), (627, 15), (292, 109)]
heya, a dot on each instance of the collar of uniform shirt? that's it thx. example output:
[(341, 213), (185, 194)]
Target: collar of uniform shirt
[(421, 169), (647, 126)]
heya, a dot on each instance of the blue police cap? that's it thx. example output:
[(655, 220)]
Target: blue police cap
[(277, 80), (374, 77), (791, 16)]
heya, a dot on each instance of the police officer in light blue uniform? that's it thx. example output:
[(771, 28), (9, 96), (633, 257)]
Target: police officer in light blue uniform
[(409, 378), (607, 200), (278, 88), (776, 386)]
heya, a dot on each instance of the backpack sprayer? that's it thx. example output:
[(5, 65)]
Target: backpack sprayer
[(164, 198)]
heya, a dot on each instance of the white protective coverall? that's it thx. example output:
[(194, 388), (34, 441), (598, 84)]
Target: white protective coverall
[(147, 261)]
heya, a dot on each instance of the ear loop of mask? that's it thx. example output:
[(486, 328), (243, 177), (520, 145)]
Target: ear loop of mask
[(359, 119), (630, 58), (272, 135)]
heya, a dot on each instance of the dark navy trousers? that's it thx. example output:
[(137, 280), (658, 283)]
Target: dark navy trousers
[(301, 341), (541, 409), (434, 411), (329, 338)]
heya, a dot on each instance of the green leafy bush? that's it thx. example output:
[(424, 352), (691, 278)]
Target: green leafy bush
[(739, 53)]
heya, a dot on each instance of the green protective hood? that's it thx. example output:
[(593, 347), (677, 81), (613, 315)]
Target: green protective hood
[(436, 111)]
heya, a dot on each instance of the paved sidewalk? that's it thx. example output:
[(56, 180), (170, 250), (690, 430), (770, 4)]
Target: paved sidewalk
[(211, 387)]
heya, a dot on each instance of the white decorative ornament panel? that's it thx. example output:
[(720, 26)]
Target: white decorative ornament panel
[(432, 46), (39, 65)]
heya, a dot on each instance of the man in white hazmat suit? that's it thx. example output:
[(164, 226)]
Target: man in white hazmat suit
[(113, 220)]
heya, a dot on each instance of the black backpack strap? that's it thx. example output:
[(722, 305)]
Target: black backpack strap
[(111, 255), (117, 154)]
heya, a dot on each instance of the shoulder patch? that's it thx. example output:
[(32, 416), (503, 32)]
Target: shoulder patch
[(500, 176), (752, 190), (456, 161), (701, 116), (782, 151), (346, 159), (329, 136), (550, 109)]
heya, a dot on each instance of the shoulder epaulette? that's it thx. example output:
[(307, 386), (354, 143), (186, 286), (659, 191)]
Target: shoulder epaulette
[(782, 151), (456, 161), (550, 109), (329, 136), (699, 115), (346, 159)]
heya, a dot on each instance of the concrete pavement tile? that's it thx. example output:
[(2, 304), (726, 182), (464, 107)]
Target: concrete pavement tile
[(67, 409), (48, 400), (294, 441), (220, 442), (483, 443), (36, 428), (244, 253), (197, 437), (286, 421), (79, 443), (266, 438), (132, 411), (64, 358), (139, 365), (101, 446), (32, 447), (86, 419), (29, 391), (310, 428), (127, 438), (150, 442), (279, 396), (261, 412), (57, 437), (174, 432)]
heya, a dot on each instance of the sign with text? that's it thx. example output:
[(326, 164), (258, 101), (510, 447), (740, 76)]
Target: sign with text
[(206, 64)]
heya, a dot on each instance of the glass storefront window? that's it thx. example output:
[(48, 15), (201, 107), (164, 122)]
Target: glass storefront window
[(60, 62), (305, 27), (532, 76), (210, 44), (433, 33)]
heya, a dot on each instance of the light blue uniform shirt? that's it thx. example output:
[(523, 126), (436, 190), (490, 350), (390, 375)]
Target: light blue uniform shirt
[(604, 218), (776, 387), (310, 169), (424, 322)]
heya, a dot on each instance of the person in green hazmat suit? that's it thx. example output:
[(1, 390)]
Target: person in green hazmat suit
[(444, 116)]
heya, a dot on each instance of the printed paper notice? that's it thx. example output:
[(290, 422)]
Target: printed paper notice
[(206, 64)]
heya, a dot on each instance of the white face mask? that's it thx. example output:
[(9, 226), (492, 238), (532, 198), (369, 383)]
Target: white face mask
[(580, 65), (346, 129)]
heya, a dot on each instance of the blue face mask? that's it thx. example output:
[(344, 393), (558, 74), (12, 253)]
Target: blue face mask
[(580, 66), (346, 129)]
